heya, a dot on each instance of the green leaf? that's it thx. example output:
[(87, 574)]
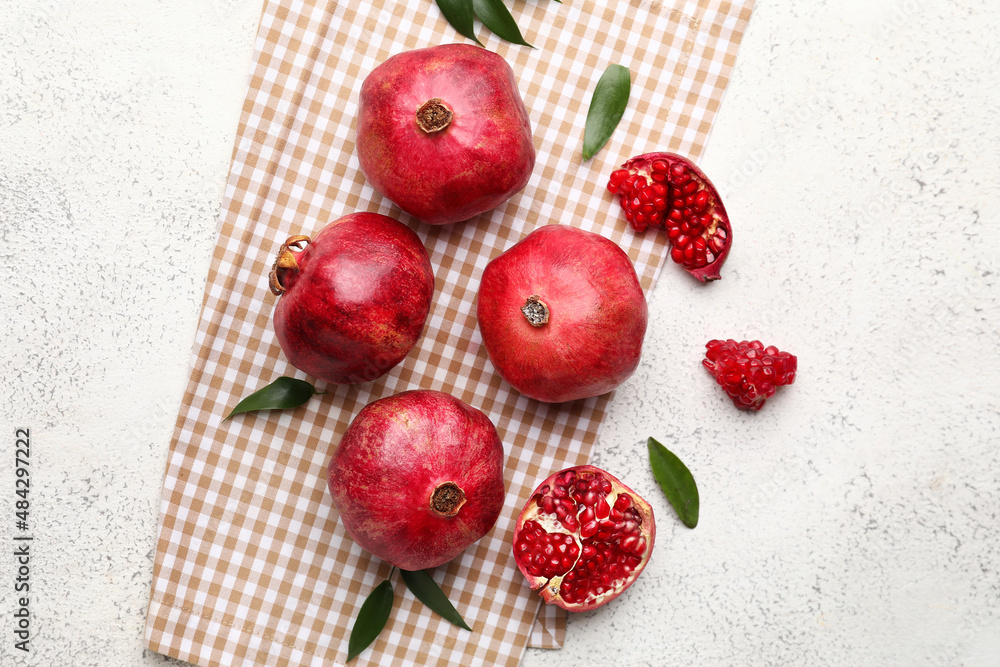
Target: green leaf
[(606, 108), (285, 392), (676, 481), (422, 584), (495, 16), (371, 619), (459, 14)]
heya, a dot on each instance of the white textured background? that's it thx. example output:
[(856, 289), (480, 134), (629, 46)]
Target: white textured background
[(854, 521)]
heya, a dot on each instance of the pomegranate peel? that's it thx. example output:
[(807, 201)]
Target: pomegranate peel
[(747, 371), (583, 538), (668, 190)]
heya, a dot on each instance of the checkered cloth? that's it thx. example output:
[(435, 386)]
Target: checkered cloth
[(252, 565)]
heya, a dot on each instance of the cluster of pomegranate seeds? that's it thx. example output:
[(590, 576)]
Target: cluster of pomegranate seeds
[(545, 554), (643, 198), (669, 191), (612, 548), (748, 371), (604, 543)]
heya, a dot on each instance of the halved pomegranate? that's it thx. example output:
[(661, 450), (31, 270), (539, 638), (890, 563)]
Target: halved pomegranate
[(667, 190), (583, 538)]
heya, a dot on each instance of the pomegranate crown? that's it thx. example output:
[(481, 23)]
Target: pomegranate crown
[(285, 261)]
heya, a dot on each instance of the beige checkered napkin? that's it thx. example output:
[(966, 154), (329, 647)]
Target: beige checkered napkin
[(252, 565)]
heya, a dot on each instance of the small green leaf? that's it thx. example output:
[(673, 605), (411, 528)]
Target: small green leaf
[(606, 108), (372, 617), (285, 392), (495, 16), (422, 584), (459, 14), (676, 481)]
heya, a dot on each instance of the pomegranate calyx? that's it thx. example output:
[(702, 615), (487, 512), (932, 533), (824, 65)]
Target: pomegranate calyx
[(434, 115), (285, 261), (447, 499), (535, 311)]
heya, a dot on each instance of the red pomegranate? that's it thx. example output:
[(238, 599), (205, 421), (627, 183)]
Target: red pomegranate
[(418, 477), (354, 300), (562, 314), (443, 132), (667, 190), (583, 538)]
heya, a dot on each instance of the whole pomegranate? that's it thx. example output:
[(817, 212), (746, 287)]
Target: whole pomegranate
[(667, 190), (418, 477), (443, 132), (354, 300), (583, 538), (562, 314)]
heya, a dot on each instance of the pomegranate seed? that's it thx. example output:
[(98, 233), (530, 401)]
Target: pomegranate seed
[(617, 178), (601, 507)]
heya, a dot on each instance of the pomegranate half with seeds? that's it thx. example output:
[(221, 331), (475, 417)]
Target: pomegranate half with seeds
[(562, 314), (667, 190), (583, 538), (418, 477), (443, 132)]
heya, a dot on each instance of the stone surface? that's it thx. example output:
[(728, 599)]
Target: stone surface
[(854, 520), (116, 131)]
